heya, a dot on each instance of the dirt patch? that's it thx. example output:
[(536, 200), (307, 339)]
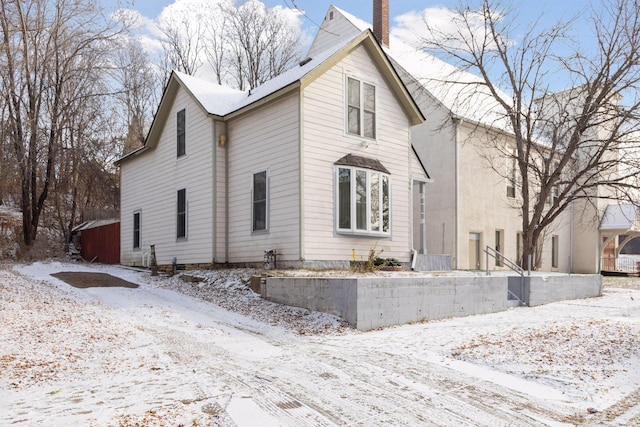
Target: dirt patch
[(84, 280)]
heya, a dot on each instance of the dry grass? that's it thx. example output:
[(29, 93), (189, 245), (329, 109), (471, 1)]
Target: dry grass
[(622, 282)]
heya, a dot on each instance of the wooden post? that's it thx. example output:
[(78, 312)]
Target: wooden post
[(154, 264)]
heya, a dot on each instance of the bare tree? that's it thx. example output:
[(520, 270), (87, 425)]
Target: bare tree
[(244, 45), (182, 43), (579, 145), (262, 43), (136, 92), (49, 49), (215, 39)]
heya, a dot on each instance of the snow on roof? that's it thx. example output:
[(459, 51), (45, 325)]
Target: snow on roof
[(462, 92), (94, 224), (620, 217), (221, 100), (215, 98)]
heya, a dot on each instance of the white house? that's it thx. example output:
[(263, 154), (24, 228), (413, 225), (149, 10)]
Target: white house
[(316, 165), (469, 205)]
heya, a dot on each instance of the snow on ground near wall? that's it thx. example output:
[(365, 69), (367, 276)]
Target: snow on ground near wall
[(213, 353)]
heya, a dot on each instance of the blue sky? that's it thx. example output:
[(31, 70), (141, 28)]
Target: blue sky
[(315, 10)]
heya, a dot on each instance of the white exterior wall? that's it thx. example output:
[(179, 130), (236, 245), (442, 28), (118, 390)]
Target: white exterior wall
[(484, 208), (335, 28), (266, 138), (467, 196), (220, 200), (434, 141), (326, 141), (150, 183)]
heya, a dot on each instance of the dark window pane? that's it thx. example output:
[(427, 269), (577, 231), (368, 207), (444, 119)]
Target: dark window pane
[(181, 133), (344, 199), (375, 202), (385, 204), (136, 230), (353, 104), (369, 97), (260, 201), (182, 214), (361, 200), (369, 124)]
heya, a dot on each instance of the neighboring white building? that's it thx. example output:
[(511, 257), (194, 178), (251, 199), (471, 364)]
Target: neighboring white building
[(316, 164)]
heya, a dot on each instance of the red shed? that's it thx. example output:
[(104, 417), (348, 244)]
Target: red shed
[(99, 240)]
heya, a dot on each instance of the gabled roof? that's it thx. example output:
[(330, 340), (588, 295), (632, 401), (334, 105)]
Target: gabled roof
[(462, 93), (224, 103)]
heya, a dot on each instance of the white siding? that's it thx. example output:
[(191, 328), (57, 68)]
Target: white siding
[(333, 31), (150, 183), (220, 196), (325, 142), (265, 139)]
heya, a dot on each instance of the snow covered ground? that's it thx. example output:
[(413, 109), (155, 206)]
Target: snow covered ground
[(206, 353)]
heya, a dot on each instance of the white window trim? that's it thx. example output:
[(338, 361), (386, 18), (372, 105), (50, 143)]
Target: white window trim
[(267, 172), (362, 80), (353, 230)]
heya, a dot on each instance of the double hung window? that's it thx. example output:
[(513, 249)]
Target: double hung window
[(361, 108)]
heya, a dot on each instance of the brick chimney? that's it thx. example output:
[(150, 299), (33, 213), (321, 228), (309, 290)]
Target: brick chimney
[(381, 21)]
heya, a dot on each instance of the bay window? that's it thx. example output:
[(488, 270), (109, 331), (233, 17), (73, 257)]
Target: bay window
[(362, 201)]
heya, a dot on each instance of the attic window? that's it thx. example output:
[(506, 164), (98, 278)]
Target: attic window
[(331, 16)]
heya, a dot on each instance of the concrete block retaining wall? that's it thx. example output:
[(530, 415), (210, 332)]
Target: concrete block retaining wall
[(369, 303), (544, 290)]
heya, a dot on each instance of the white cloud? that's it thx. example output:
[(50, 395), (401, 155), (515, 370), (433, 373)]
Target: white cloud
[(447, 24)]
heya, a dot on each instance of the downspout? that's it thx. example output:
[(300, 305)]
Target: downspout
[(226, 194), (214, 204), (571, 242), (414, 258), (456, 123), (301, 235)]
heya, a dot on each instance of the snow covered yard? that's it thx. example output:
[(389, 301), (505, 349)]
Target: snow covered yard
[(211, 352)]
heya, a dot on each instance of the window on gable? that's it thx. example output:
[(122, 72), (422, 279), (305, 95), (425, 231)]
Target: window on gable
[(362, 201), (181, 133), (260, 201), (361, 108), (136, 230), (181, 215)]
